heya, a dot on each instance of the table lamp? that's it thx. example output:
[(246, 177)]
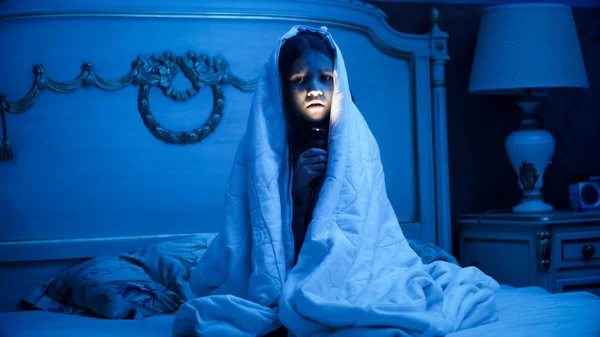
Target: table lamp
[(526, 50)]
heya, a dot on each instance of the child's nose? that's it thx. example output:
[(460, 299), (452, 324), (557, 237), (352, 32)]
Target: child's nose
[(315, 93)]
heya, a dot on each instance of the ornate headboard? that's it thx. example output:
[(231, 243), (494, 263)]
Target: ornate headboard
[(141, 147)]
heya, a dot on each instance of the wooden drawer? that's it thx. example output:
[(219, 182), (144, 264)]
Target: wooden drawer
[(589, 284), (577, 250)]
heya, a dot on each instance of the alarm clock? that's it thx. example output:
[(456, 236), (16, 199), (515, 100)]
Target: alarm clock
[(584, 193)]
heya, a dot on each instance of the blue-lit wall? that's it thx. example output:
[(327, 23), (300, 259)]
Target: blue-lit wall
[(481, 177)]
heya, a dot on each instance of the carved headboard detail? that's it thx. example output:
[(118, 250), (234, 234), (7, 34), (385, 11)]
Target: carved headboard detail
[(159, 70)]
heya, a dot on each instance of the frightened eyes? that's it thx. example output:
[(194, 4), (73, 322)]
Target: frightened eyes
[(323, 78)]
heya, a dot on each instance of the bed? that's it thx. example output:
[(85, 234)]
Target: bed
[(522, 312), (103, 165)]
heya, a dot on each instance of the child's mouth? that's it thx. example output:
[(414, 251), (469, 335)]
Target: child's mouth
[(315, 106)]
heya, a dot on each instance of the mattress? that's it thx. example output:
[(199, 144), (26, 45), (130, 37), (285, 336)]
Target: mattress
[(522, 312), (49, 324), (534, 312)]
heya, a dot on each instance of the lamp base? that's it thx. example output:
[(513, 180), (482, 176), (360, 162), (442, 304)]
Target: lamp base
[(531, 205), (530, 150)]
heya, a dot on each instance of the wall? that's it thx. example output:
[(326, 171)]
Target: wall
[(481, 177)]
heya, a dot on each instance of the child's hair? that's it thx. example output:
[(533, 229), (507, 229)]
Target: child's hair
[(296, 45)]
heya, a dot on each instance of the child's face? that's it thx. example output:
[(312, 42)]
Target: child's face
[(309, 88)]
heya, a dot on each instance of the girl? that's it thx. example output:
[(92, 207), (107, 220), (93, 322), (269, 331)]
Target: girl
[(306, 72)]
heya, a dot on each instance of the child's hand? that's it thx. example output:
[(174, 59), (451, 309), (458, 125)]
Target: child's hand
[(311, 164)]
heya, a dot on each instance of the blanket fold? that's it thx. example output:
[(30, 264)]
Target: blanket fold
[(356, 274)]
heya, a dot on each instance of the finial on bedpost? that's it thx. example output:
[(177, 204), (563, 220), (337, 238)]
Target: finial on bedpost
[(438, 38), (435, 19)]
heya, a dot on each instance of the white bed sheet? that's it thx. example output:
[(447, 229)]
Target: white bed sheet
[(534, 312), (523, 312)]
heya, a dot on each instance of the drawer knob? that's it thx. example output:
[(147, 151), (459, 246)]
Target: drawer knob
[(588, 251)]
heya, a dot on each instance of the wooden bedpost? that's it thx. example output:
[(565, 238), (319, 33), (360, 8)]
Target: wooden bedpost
[(439, 56)]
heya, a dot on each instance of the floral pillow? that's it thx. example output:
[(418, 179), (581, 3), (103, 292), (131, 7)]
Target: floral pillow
[(137, 284), (170, 263)]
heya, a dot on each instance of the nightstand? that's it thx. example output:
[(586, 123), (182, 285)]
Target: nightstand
[(557, 251)]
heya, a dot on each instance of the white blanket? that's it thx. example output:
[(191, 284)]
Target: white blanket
[(356, 274)]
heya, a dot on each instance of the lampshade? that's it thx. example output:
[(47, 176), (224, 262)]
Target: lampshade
[(527, 46)]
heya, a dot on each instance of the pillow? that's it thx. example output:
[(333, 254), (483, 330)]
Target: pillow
[(170, 263), (428, 252), (137, 284)]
